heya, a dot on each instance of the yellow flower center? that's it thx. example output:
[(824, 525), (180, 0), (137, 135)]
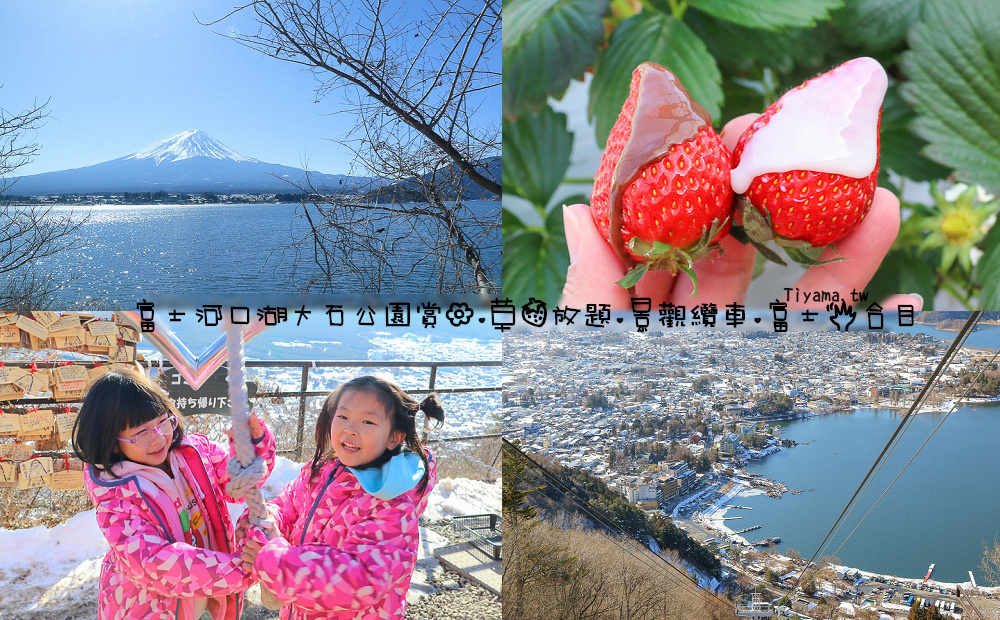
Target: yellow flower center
[(959, 226)]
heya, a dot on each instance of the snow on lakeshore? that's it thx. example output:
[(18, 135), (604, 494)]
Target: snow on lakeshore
[(56, 569), (713, 516)]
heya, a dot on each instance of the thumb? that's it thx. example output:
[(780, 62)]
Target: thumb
[(595, 269), (593, 266)]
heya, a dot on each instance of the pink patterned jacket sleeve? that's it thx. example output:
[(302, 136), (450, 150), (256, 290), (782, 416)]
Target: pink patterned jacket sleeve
[(284, 508), (374, 554), (152, 560)]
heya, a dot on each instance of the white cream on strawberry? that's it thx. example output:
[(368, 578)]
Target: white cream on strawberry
[(829, 125)]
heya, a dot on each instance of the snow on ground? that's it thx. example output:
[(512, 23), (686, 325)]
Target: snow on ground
[(459, 496), (56, 570)]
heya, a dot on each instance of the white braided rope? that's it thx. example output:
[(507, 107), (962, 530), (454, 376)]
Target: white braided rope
[(246, 469)]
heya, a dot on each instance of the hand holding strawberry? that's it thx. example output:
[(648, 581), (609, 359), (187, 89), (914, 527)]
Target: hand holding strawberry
[(594, 267), (804, 173)]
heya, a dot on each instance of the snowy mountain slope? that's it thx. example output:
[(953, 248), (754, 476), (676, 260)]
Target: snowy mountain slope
[(191, 161), (189, 144)]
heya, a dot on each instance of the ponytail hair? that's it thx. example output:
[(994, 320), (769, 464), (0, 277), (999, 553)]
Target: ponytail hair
[(402, 410)]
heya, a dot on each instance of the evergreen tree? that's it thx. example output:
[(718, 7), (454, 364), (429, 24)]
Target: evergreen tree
[(517, 485)]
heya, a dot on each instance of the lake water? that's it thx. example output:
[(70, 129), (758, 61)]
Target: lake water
[(943, 509), (983, 336), (137, 250)]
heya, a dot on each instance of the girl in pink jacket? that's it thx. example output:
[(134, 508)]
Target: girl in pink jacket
[(349, 522), (160, 503)]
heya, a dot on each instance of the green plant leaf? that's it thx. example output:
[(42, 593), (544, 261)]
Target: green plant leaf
[(651, 36), (536, 151), (954, 69), (547, 43), (535, 261), (769, 14), (633, 276), (904, 271), (988, 270), (901, 149), (740, 48), (877, 25)]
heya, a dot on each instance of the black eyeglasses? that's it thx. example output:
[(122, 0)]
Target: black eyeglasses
[(144, 438)]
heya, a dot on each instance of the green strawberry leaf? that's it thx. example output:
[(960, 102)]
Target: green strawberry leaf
[(904, 271), (547, 43), (901, 149), (689, 270), (768, 253), (954, 68), (651, 36), (536, 155), (988, 270), (740, 48), (756, 225), (534, 261), (806, 258), (769, 14), (877, 25), (632, 277)]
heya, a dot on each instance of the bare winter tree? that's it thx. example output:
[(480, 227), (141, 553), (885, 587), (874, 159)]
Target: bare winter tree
[(419, 82), (27, 232)]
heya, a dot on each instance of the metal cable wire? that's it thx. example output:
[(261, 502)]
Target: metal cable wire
[(888, 454), (936, 428), (683, 582), (917, 403)]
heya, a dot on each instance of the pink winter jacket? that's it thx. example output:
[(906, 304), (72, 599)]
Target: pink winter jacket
[(150, 572), (345, 553)]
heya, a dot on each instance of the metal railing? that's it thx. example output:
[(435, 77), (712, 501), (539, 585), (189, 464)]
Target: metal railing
[(484, 532), (303, 393)]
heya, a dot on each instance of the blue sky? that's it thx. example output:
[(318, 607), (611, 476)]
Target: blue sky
[(121, 75)]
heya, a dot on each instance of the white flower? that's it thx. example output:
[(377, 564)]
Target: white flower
[(953, 192)]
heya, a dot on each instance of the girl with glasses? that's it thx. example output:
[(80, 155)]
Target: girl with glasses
[(161, 504)]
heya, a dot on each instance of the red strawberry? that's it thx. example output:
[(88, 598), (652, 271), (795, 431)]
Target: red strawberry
[(809, 164), (662, 191)]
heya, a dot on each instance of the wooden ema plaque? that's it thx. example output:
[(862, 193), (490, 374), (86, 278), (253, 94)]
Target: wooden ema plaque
[(66, 480), (71, 377), (10, 392), (33, 327), (37, 424), (103, 328), (64, 425), (34, 382), (16, 452), (34, 473), (10, 335), (45, 319), (8, 474), (10, 424)]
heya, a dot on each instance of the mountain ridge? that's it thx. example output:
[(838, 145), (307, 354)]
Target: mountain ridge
[(191, 161)]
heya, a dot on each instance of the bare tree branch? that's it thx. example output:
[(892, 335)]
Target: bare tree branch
[(426, 72), (28, 233), (415, 81)]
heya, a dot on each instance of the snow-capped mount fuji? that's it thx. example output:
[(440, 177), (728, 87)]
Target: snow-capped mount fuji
[(189, 144), (191, 161)]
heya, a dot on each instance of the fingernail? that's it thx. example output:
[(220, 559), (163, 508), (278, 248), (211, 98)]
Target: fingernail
[(918, 296), (571, 227)]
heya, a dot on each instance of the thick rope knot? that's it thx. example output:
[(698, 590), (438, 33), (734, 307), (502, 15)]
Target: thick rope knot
[(243, 480)]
